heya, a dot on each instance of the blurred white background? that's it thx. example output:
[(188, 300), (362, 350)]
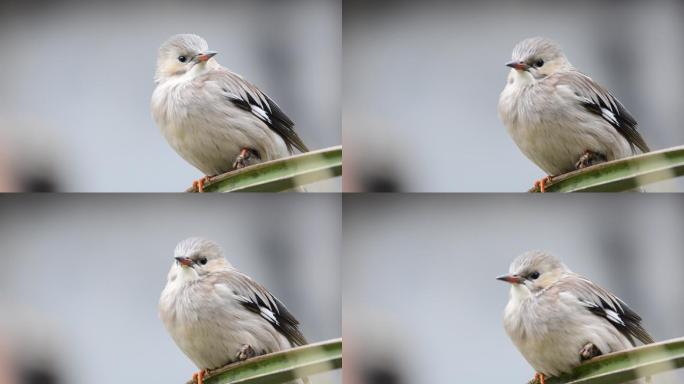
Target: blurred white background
[(78, 76), (81, 275), (421, 303), (422, 82)]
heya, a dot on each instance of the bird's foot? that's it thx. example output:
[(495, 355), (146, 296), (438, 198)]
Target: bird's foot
[(589, 351), (539, 378), (198, 377), (243, 158), (540, 185), (198, 185), (590, 158), (246, 352)]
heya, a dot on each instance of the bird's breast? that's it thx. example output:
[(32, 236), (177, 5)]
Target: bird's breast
[(210, 326), (169, 104), (207, 130)]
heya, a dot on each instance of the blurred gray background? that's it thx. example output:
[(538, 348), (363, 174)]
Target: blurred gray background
[(421, 303), (422, 83), (78, 76), (81, 275)]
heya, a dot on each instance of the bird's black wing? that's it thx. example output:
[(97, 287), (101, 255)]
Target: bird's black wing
[(248, 97), (257, 299), (604, 304), (600, 102)]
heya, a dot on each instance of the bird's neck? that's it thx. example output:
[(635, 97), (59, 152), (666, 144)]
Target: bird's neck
[(194, 72), (185, 275), (201, 69), (520, 293), (521, 79)]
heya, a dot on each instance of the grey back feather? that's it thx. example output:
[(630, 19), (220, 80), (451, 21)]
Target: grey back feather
[(254, 297), (597, 99), (604, 304), (247, 96)]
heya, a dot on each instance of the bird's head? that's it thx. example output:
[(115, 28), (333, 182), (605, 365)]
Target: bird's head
[(182, 53), (195, 257), (533, 271), (537, 57)]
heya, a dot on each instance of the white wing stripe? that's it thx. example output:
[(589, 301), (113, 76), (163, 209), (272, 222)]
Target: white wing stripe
[(610, 116), (614, 317), (268, 315), (260, 113)]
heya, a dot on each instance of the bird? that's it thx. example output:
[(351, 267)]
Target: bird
[(213, 118), (557, 318), (560, 118), (218, 315)]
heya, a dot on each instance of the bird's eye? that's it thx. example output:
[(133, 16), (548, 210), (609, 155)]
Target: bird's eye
[(203, 260), (182, 59), (539, 63), (534, 275)]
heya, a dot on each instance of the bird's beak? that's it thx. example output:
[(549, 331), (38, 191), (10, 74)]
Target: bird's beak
[(184, 261), (204, 56), (520, 66), (513, 279)]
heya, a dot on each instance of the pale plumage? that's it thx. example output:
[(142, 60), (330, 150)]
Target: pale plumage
[(213, 311), (555, 113), (554, 313), (209, 114)]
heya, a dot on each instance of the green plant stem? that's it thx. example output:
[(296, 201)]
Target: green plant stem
[(281, 366), (281, 174), (622, 174), (631, 364)]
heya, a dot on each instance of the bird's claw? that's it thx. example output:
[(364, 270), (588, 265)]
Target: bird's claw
[(590, 158), (198, 185), (243, 158), (540, 185), (539, 378), (245, 353), (198, 377), (589, 351)]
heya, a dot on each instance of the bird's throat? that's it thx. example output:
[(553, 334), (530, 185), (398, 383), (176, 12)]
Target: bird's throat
[(186, 275)]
